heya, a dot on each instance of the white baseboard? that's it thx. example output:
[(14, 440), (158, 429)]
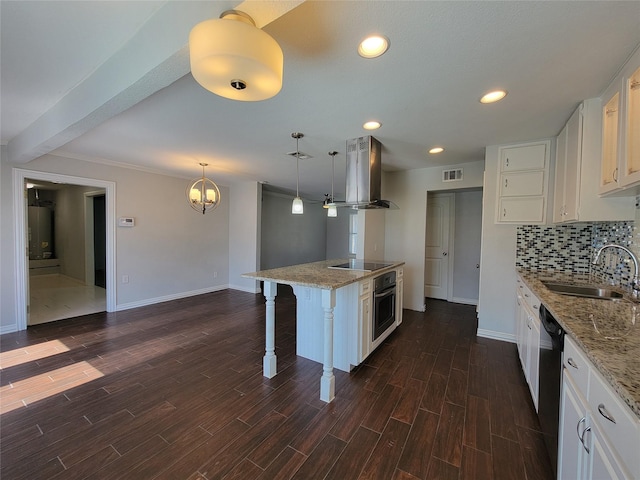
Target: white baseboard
[(8, 328), (167, 298), (465, 301), (505, 337)]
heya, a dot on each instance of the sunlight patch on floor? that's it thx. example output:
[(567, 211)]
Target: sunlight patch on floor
[(31, 353), (39, 387)]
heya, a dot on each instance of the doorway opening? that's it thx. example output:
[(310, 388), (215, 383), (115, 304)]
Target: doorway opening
[(52, 280), (452, 245)]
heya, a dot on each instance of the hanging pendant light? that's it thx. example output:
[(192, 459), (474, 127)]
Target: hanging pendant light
[(233, 58), (297, 208), (203, 194), (329, 202)]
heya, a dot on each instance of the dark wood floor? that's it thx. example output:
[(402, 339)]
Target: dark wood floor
[(175, 391)]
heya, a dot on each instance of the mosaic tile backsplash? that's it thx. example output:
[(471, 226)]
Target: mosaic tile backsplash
[(571, 248)]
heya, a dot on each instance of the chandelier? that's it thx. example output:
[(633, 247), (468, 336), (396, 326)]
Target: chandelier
[(203, 194)]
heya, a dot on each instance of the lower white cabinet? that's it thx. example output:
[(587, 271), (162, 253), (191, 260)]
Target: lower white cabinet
[(592, 446), (528, 337)]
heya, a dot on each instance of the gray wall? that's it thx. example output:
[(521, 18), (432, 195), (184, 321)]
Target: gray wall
[(338, 234), (288, 239)]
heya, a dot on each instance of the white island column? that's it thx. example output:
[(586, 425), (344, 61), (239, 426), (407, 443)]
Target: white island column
[(269, 362), (328, 380)]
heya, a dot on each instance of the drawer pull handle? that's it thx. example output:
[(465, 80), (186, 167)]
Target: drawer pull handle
[(605, 413), (582, 438), (572, 363), (578, 428)]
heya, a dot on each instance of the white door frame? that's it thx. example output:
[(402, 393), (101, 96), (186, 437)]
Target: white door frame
[(20, 228)]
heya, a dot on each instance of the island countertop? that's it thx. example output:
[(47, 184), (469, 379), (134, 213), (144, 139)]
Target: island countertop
[(318, 274), (605, 330)]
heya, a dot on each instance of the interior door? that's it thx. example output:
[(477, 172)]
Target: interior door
[(436, 271), (100, 241)]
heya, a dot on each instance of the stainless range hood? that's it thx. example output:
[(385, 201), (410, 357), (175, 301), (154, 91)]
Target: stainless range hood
[(364, 174)]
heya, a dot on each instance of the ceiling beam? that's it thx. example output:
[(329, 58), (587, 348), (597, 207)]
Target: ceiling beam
[(153, 59)]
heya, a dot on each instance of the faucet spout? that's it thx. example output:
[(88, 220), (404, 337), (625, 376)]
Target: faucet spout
[(635, 283)]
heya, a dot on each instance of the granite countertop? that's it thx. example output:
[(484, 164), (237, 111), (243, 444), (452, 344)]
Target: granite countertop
[(605, 329), (318, 274)]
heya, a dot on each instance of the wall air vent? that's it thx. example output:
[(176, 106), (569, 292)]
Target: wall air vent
[(452, 175)]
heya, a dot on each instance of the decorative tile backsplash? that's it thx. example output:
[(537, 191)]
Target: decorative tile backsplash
[(571, 248)]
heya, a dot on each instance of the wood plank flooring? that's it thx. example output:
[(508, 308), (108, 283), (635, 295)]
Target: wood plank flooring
[(175, 391)]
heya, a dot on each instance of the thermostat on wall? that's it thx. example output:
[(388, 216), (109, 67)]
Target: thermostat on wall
[(126, 222)]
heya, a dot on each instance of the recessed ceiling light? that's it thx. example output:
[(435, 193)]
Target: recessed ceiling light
[(494, 96), (372, 125), (373, 46), (436, 150)]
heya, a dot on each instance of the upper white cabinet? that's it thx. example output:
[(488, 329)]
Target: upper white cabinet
[(522, 183), (579, 150), (620, 164)]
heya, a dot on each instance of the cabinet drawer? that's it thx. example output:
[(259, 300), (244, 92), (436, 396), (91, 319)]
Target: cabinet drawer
[(521, 210), (522, 184), (365, 287), (624, 434), (532, 301), (529, 157), (576, 365)]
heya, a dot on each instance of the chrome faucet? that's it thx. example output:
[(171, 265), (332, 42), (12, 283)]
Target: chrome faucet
[(635, 284)]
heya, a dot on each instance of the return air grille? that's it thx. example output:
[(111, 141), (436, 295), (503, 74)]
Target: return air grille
[(452, 175)]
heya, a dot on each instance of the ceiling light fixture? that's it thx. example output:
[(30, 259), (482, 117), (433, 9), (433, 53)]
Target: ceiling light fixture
[(329, 201), (203, 194), (297, 207), (492, 97), (373, 46), (372, 125), (435, 150), (233, 58)]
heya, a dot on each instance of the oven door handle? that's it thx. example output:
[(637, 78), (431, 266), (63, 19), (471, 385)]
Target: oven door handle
[(386, 293)]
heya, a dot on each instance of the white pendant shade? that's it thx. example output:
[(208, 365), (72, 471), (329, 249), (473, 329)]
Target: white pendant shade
[(333, 211), (233, 58), (297, 207)]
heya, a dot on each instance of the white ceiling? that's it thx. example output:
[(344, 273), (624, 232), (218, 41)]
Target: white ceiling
[(108, 81)]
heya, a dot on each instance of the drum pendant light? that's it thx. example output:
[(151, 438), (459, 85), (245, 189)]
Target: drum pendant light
[(233, 58), (297, 207)]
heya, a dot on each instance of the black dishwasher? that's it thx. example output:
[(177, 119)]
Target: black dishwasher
[(550, 381)]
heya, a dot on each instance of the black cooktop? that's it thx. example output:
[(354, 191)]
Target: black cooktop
[(362, 265)]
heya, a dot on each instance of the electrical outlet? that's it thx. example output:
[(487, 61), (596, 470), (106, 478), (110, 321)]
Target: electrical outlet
[(125, 278)]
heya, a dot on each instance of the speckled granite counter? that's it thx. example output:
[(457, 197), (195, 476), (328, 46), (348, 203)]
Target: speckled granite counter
[(318, 274), (606, 330)]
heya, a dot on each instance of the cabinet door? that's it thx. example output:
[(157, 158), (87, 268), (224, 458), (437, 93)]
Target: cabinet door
[(522, 184), (604, 464), (521, 210), (631, 159), (561, 162), (364, 343), (572, 166), (573, 418), (527, 157), (610, 120)]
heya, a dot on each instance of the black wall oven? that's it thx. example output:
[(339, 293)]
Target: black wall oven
[(384, 308)]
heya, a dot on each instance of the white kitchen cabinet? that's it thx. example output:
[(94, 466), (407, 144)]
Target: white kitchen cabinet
[(568, 166), (528, 337), (620, 161), (522, 183), (590, 445), (577, 172)]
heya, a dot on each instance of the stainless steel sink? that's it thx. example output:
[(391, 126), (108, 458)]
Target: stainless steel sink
[(582, 290)]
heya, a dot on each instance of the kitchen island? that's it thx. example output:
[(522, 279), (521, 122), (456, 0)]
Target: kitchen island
[(334, 308)]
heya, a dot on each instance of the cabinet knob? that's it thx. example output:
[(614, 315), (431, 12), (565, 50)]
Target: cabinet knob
[(506, 182), (444, 254), (507, 162)]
